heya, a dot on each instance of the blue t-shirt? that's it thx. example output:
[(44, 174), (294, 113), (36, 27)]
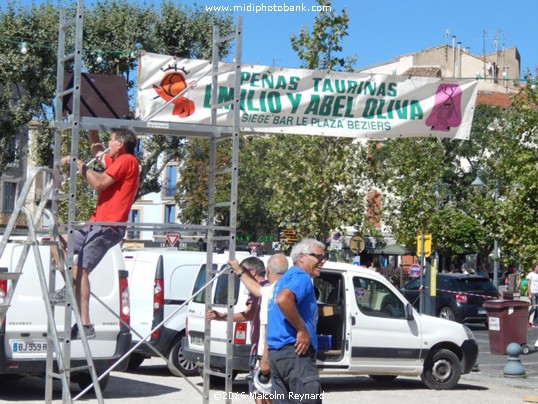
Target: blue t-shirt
[(279, 331)]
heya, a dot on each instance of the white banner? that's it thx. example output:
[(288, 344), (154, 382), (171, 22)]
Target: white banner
[(311, 102)]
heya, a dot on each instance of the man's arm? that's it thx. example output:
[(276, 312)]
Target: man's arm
[(264, 361), (286, 302), (246, 315), (246, 277), (96, 146), (98, 181)]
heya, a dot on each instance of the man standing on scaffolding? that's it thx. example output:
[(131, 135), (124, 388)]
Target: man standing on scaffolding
[(117, 188)]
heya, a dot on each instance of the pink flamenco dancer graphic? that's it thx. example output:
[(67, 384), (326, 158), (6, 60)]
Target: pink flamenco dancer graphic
[(446, 112), (172, 84)]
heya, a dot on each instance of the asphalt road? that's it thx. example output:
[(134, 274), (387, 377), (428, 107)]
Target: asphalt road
[(152, 383)]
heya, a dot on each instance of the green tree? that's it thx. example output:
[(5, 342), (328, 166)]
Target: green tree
[(26, 80), (313, 181), (428, 182), (319, 182), (115, 28)]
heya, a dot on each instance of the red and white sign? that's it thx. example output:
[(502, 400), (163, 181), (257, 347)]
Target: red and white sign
[(173, 238), (414, 270)]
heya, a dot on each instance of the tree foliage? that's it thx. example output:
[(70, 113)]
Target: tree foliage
[(115, 28), (319, 181), (312, 181), (427, 185)]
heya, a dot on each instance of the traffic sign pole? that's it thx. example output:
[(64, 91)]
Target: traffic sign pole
[(421, 296)]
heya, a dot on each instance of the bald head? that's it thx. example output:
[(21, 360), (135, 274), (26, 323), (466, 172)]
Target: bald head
[(276, 266)]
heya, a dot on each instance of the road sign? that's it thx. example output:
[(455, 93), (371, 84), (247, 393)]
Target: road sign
[(356, 244), (173, 238), (427, 245), (414, 270)]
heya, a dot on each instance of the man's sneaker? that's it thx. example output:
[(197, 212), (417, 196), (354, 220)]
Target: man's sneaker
[(89, 331), (58, 296)]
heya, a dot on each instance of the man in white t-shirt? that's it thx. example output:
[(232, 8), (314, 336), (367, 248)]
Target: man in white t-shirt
[(532, 290), (276, 266)]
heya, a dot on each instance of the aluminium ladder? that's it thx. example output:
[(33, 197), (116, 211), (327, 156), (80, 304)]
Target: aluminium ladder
[(70, 53), (214, 132), (234, 104), (33, 220)]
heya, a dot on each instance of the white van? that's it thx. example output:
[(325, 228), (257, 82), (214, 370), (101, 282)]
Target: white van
[(160, 281), (365, 327), (23, 334)]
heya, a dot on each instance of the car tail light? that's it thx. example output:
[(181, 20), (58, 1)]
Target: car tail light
[(461, 298), (240, 333), (158, 295), (158, 302), (125, 307), (3, 292)]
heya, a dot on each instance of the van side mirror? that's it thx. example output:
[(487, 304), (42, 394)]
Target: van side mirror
[(408, 311)]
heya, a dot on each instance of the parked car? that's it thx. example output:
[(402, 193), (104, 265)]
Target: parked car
[(23, 335), (160, 282), (459, 296), (365, 327)]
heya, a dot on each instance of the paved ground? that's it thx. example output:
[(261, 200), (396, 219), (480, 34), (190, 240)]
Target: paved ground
[(152, 383)]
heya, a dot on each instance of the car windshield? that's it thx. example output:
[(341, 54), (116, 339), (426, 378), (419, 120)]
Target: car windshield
[(476, 284)]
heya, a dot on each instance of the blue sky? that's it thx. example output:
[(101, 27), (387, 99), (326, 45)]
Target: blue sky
[(380, 30)]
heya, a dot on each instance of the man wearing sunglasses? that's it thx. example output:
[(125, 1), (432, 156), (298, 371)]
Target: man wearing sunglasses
[(291, 327)]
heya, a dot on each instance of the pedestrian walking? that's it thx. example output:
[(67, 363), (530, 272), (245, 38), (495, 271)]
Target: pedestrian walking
[(532, 290)]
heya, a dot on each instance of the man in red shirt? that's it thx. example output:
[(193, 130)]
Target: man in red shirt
[(117, 187)]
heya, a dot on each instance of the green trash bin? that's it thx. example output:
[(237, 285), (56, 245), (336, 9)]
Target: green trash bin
[(507, 323)]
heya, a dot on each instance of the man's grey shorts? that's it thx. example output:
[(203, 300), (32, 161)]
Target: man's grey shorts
[(93, 242)]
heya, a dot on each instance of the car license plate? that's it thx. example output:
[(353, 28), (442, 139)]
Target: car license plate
[(36, 346), (197, 340), (481, 311)]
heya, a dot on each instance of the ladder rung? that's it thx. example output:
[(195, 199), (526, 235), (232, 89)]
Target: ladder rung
[(223, 171), (84, 367), (226, 38), (65, 92), (217, 339), (10, 276), (222, 204), (223, 104), (49, 242), (61, 197), (215, 373), (221, 238), (67, 58), (68, 23)]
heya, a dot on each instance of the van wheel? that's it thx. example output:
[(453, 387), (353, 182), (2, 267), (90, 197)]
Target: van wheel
[(135, 360), (382, 378), (442, 371), (177, 361), (447, 314), (84, 380)]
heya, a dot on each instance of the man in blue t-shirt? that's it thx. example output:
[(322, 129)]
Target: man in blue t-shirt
[(291, 327)]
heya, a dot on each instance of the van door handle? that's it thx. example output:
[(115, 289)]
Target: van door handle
[(352, 320)]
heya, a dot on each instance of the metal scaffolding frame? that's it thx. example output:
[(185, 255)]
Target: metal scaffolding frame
[(72, 28)]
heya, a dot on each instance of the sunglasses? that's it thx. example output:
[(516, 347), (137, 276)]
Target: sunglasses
[(319, 257)]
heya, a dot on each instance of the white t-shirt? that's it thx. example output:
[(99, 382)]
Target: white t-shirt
[(266, 293), (533, 277)]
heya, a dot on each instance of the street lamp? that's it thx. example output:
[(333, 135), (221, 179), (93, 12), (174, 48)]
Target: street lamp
[(479, 183)]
